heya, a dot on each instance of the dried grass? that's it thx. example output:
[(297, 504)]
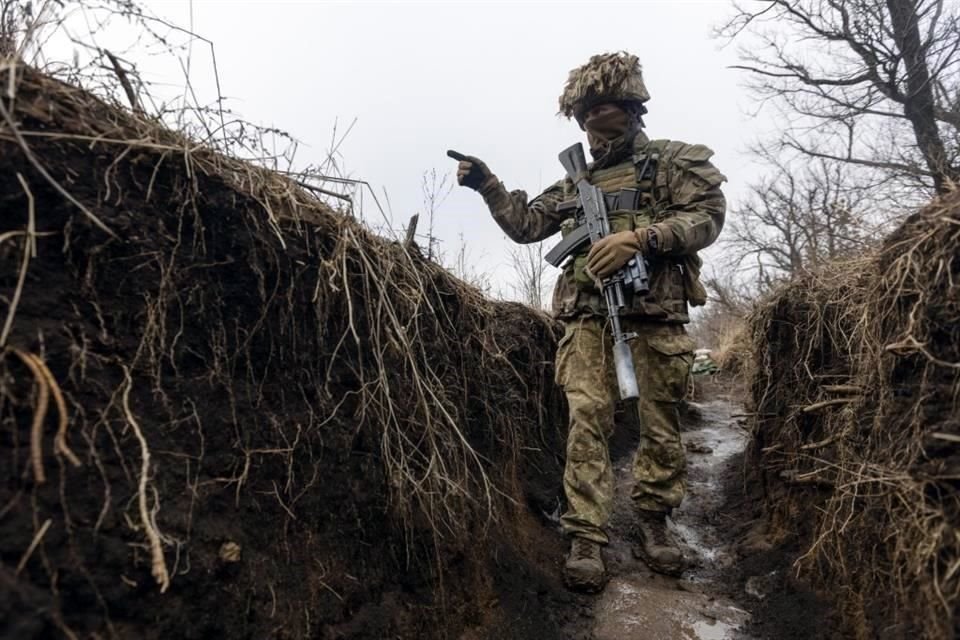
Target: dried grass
[(856, 387), (733, 351)]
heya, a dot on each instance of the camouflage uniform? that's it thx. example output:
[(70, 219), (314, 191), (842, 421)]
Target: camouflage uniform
[(686, 208)]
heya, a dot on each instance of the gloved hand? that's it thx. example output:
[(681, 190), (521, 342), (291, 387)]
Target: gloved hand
[(471, 172), (609, 254)]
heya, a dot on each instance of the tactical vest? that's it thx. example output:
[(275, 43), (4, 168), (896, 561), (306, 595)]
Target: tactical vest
[(635, 199)]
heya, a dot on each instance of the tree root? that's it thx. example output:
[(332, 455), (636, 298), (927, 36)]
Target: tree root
[(158, 562), (46, 385)]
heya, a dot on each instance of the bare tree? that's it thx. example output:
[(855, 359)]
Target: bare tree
[(436, 186), (729, 295), (802, 215), (530, 275), (875, 83)]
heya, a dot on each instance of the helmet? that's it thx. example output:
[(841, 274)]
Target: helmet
[(607, 77)]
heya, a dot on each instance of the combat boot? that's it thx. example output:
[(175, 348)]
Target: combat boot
[(657, 545), (584, 570)]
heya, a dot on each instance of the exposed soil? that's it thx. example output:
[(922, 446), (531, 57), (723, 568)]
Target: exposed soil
[(330, 435)]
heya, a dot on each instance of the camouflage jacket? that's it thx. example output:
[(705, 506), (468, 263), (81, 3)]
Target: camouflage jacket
[(682, 200)]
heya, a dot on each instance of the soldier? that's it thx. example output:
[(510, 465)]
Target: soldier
[(667, 205)]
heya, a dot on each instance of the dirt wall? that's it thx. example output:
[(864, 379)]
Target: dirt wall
[(856, 437), (229, 411)]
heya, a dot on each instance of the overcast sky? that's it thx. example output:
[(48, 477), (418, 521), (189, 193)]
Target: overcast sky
[(482, 78)]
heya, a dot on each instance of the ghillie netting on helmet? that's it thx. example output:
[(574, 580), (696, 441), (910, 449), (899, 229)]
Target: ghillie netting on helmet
[(611, 77), (228, 410), (856, 390)]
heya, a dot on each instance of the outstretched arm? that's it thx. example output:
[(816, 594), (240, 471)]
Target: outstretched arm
[(521, 220)]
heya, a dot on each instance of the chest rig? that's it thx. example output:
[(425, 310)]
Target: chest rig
[(633, 200)]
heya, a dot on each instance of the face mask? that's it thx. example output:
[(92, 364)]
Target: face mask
[(608, 126), (605, 128)]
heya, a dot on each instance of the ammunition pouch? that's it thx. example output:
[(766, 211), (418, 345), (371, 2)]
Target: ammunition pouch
[(634, 208)]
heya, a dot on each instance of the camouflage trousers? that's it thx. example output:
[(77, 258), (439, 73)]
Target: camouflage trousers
[(663, 355)]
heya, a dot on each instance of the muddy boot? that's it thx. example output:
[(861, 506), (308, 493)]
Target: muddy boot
[(657, 545), (584, 570)]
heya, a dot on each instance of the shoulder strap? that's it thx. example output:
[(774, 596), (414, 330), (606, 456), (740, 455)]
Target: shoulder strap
[(646, 158)]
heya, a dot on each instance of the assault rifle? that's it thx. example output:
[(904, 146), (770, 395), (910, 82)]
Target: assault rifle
[(594, 225)]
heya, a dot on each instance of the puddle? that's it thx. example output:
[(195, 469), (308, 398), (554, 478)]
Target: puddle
[(701, 550), (714, 631)]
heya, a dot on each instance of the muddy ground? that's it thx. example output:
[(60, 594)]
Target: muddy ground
[(740, 586)]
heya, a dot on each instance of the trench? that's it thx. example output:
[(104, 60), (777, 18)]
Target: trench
[(639, 604)]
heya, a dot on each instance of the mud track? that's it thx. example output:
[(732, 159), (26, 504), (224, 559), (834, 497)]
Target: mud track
[(738, 587), (638, 603)]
